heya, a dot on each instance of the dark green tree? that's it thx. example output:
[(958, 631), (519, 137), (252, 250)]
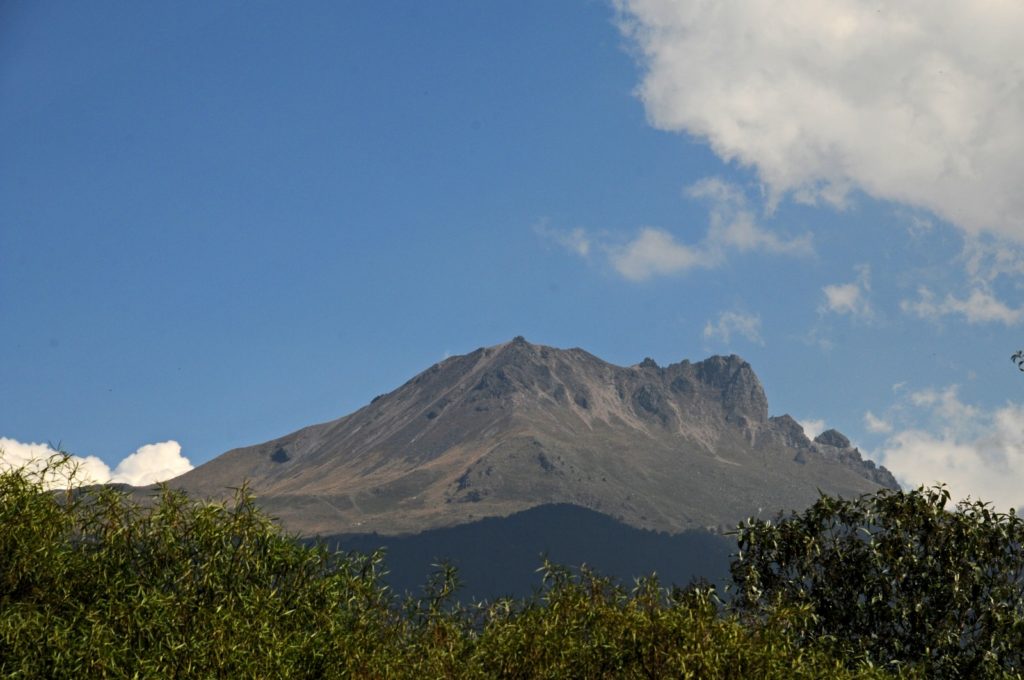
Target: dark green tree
[(897, 579)]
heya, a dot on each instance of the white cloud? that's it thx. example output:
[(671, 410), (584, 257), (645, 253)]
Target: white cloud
[(977, 453), (850, 298), (876, 424), (917, 102), (813, 426), (147, 465), (980, 306), (729, 323), (733, 226), (151, 463)]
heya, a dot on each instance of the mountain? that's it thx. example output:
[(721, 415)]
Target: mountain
[(512, 427)]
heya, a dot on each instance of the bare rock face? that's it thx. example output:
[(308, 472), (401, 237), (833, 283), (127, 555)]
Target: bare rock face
[(514, 426)]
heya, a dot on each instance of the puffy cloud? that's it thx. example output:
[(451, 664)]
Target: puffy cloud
[(845, 299), (850, 298), (980, 306), (977, 453), (917, 102), (729, 323), (147, 465), (151, 463)]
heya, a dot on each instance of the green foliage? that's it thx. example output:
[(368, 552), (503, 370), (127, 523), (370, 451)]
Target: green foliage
[(897, 579), (584, 626), (94, 584)]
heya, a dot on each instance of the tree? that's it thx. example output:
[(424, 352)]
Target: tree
[(896, 579)]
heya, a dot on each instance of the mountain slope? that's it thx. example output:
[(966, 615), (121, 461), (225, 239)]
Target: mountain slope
[(518, 425)]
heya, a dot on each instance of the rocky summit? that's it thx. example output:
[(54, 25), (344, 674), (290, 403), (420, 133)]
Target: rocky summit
[(510, 427)]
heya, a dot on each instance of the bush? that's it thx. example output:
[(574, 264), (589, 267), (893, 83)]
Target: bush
[(895, 579)]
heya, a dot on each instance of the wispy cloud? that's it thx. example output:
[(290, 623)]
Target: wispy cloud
[(573, 240), (734, 323), (875, 424), (652, 252), (987, 259), (916, 102), (655, 252), (980, 306), (147, 465), (735, 226)]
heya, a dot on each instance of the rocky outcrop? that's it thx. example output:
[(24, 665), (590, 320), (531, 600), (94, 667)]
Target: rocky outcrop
[(833, 438)]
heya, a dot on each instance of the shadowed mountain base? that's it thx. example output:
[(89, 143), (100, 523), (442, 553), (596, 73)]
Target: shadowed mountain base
[(500, 556)]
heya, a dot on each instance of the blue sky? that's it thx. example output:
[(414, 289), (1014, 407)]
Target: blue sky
[(220, 222)]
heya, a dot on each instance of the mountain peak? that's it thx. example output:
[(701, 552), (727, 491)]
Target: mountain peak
[(515, 425), (741, 390)]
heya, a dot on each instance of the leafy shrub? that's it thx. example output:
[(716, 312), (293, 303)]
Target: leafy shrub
[(896, 579)]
